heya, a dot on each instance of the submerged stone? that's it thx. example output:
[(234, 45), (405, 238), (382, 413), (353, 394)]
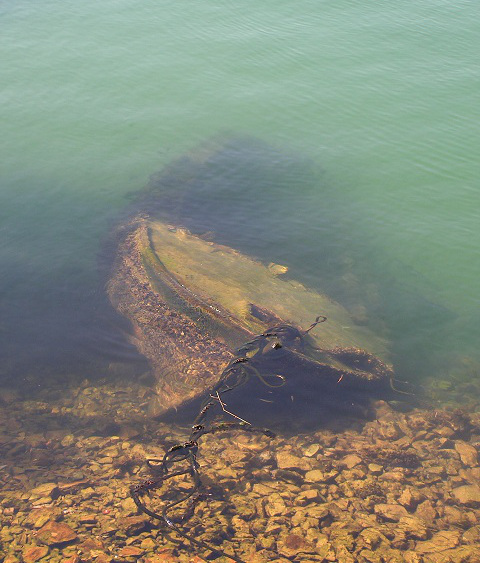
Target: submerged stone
[(32, 553), (56, 533), (468, 495), (468, 453), (390, 512)]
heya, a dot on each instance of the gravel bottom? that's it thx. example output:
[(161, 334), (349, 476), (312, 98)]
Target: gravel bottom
[(404, 487)]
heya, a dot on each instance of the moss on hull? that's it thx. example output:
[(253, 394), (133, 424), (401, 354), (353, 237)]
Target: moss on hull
[(191, 302), (241, 289)]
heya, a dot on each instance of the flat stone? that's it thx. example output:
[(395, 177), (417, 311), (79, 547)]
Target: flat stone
[(128, 506), (351, 460), (56, 533), (319, 511), (457, 517), (130, 551), (87, 493), (472, 535), (102, 557), (89, 545), (369, 556), (275, 505), (133, 525), (45, 490), (445, 431), (463, 554), (273, 527), (32, 553), (163, 556), (397, 476), (290, 545), (314, 476), (370, 538), (468, 454), (262, 490), (73, 486), (311, 450), (410, 498), (426, 512), (375, 469), (148, 544), (391, 512), (286, 460), (446, 539), (343, 554), (42, 501), (39, 517), (413, 527), (412, 557), (305, 497), (472, 476), (468, 495)]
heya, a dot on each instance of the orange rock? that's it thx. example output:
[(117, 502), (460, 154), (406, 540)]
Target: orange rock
[(468, 495), (100, 557), (133, 525), (286, 460), (351, 461), (164, 558), (55, 533), (290, 545), (130, 551), (32, 553), (91, 544), (390, 512), (72, 486), (468, 453)]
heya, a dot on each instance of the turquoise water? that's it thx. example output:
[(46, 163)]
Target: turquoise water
[(380, 99)]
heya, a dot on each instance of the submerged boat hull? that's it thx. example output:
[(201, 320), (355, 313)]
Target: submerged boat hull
[(192, 303)]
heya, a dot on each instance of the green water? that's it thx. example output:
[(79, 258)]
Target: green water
[(381, 100)]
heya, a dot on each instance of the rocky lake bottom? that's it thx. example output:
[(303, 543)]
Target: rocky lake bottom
[(402, 487)]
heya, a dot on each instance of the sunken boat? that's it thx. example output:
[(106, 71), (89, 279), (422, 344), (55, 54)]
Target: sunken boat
[(196, 304)]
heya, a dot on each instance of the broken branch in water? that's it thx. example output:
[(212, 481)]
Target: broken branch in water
[(222, 404)]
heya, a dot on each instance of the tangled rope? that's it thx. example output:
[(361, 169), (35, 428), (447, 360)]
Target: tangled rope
[(237, 373)]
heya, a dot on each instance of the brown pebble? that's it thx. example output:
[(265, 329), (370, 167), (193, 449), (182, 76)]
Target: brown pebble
[(55, 533), (130, 551), (468, 454), (468, 495), (391, 512), (32, 553), (351, 460), (441, 541)]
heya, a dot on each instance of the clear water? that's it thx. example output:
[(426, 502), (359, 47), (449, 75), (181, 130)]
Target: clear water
[(381, 101)]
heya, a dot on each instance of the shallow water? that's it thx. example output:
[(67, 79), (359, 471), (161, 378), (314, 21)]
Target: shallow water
[(353, 159), (381, 104)]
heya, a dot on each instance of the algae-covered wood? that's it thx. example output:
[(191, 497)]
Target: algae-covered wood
[(192, 302), (249, 291)]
